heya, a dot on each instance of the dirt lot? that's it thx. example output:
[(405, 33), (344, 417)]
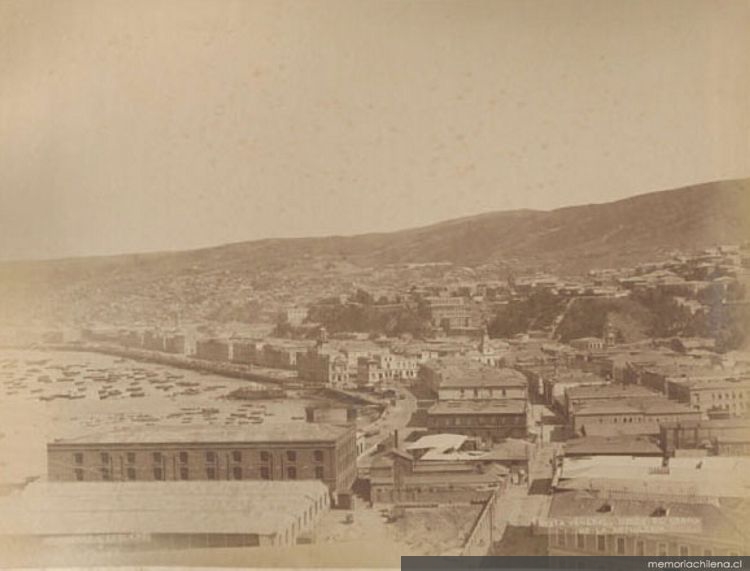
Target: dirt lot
[(423, 531)]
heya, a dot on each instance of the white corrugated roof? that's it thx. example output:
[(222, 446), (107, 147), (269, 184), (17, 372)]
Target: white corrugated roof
[(440, 442)]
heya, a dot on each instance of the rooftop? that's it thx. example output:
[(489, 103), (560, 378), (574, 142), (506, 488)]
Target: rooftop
[(271, 432), (441, 442), (706, 384), (610, 391), (643, 513), (248, 507), (709, 476), (605, 445), (462, 372), (656, 404)]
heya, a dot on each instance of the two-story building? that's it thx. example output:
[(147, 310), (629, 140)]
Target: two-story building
[(291, 451), (492, 421), (462, 378)]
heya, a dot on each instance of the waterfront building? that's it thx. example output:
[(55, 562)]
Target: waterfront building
[(273, 452), (213, 350)]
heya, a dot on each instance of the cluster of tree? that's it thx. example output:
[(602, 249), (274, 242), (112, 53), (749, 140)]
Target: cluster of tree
[(362, 313), (667, 318), (588, 317), (724, 317), (727, 324), (537, 311)]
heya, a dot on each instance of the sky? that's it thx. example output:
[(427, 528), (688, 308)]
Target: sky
[(143, 125)]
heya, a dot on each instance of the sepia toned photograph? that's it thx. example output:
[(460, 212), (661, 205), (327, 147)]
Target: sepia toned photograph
[(374, 284)]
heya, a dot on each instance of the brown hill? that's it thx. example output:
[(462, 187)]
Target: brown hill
[(566, 240)]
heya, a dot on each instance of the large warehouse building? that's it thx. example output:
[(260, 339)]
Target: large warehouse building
[(163, 515), (273, 452)]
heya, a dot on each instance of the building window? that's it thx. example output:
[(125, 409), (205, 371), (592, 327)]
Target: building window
[(620, 546), (561, 537), (237, 456), (131, 457), (580, 541), (662, 551), (183, 458), (319, 472), (265, 474), (105, 457), (78, 457), (157, 457), (684, 551), (131, 473), (210, 456), (291, 455), (291, 473), (184, 474), (79, 474), (265, 456), (211, 473), (318, 455), (106, 474), (640, 547), (601, 543), (158, 474), (237, 473)]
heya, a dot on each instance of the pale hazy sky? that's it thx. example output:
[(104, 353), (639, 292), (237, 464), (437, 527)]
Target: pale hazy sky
[(143, 125)]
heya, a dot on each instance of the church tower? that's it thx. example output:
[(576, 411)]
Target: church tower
[(322, 337), (609, 334)]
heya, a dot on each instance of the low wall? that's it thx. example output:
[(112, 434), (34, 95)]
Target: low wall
[(174, 360), (485, 530)]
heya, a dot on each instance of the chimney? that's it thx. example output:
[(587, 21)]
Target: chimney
[(395, 439)]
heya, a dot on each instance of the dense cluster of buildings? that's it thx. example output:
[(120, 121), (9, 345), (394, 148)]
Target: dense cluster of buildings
[(651, 440)]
